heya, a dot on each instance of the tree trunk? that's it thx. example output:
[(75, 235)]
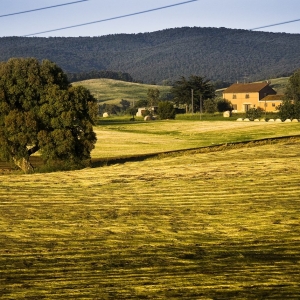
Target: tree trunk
[(24, 165)]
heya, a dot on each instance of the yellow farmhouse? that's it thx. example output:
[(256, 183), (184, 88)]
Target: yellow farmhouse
[(244, 96)]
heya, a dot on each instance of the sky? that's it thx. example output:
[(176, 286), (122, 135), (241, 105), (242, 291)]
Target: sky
[(237, 14)]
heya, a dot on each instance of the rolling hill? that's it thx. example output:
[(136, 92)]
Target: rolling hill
[(219, 54), (113, 91)]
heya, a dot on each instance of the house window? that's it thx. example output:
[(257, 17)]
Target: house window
[(234, 106), (273, 104), (247, 96), (234, 96), (247, 107)]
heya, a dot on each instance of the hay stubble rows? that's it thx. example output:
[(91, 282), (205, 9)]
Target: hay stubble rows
[(219, 225)]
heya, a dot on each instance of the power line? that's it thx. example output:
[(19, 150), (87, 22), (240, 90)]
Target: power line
[(113, 18), (42, 8), (266, 26)]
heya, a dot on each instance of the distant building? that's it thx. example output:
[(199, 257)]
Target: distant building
[(142, 110), (244, 96)]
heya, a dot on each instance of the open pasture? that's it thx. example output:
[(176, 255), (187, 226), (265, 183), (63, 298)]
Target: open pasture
[(219, 225), (113, 91)]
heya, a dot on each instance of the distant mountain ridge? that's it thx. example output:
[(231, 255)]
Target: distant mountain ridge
[(219, 54)]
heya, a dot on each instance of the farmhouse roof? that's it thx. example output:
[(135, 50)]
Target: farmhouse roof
[(246, 87), (273, 98)]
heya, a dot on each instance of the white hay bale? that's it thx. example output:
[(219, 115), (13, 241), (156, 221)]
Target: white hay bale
[(105, 115), (262, 120), (246, 120), (227, 114), (271, 120), (288, 121), (278, 120), (240, 119), (295, 120), (256, 120)]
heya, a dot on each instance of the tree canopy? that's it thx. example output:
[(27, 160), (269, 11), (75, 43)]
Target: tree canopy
[(293, 87), (290, 108), (41, 111), (196, 88)]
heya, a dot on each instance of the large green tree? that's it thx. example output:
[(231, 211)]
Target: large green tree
[(290, 108), (41, 111), (195, 87), (293, 87), (153, 96)]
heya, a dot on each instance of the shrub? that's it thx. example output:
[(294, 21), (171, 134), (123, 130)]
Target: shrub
[(254, 113), (224, 105), (166, 110), (289, 110), (210, 106)]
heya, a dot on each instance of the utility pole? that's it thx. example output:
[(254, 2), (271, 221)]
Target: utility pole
[(200, 106), (192, 101)]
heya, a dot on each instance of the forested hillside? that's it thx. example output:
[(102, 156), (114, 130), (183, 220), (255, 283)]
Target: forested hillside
[(220, 54)]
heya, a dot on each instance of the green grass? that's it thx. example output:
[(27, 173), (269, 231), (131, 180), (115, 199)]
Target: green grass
[(118, 137), (113, 91), (219, 225), (279, 84), (126, 139)]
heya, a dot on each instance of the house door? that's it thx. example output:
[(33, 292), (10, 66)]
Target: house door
[(247, 107)]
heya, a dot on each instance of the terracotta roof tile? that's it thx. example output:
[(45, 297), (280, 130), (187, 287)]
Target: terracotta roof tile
[(273, 98), (245, 87)]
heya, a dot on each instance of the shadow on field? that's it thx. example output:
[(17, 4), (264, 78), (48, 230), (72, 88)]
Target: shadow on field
[(37, 162), (99, 162)]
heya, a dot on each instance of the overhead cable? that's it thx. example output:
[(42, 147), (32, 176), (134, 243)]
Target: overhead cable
[(276, 24), (42, 8), (113, 18)]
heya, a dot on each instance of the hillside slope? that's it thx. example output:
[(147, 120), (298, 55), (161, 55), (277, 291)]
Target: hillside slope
[(113, 91), (217, 53)]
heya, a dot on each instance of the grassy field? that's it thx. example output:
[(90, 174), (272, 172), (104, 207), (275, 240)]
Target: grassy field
[(215, 225), (126, 139), (113, 91), (279, 84)]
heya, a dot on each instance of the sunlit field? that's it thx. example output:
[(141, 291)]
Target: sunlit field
[(215, 225), (113, 91), (117, 140)]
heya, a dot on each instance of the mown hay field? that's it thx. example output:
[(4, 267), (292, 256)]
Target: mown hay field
[(216, 225), (126, 139)]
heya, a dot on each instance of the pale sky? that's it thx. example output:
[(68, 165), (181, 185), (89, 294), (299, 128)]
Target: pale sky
[(237, 14)]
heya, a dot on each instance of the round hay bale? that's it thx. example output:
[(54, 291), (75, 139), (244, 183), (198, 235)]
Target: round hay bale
[(256, 120), (105, 115), (240, 119), (295, 120), (271, 120), (148, 118), (288, 120), (262, 120), (278, 120), (246, 120)]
